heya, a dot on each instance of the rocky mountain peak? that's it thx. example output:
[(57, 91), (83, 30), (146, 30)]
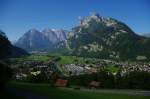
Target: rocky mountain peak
[(33, 30), (95, 15), (97, 18), (46, 39), (104, 37), (47, 30)]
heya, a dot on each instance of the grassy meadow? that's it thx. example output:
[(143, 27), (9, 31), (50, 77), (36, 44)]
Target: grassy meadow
[(61, 93)]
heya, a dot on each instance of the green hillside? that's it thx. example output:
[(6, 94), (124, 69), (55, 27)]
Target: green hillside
[(107, 38)]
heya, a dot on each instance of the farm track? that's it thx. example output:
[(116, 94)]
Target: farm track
[(116, 91)]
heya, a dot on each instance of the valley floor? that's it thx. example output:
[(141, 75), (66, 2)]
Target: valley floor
[(45, 91)]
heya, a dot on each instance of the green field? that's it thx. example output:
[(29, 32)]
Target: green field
[(76, 59), (33, 57), (63, 59), (71, 60), (112, 68), (61, 93)]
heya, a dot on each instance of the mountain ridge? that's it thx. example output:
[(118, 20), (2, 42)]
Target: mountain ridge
[(101, 37), (45, 40), (95, 36)]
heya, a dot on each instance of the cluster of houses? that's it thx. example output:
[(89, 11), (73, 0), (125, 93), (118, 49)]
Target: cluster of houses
[(34, 68), (126, 67), (78, 69)]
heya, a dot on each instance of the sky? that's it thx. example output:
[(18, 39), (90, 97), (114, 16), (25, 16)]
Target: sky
[(18, 16)]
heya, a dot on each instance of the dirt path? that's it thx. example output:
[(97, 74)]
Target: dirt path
[(117, 91), (128, 92)]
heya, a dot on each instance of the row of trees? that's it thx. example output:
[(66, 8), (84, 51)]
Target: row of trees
[(132, 80)]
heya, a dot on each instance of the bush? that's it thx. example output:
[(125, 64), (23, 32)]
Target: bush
[(132, 80), (40, 78), (138, 80)]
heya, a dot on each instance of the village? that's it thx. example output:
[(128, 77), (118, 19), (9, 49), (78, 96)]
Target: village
[(35, 68)]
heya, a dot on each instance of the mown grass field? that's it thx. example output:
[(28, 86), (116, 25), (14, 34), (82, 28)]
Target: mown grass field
[(71, 60), (62, 61), (33, 57), (60, 93)]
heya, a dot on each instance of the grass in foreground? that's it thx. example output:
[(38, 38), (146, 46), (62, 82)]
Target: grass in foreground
[(57, 93), (8, 95)]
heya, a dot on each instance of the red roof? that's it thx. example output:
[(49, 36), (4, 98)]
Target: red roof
[(94, 83), (61, 83)]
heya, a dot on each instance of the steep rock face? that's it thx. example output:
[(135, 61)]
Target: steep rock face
[(47, 40), (61, 34), (54, 36), (33, 40), (50, 35), (101, 37)]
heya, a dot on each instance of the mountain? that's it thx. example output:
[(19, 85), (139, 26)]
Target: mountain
[(146, 35), (48, 39), (7, 49), (54, 36), (33, 40), (101, 37), (95, 36)]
